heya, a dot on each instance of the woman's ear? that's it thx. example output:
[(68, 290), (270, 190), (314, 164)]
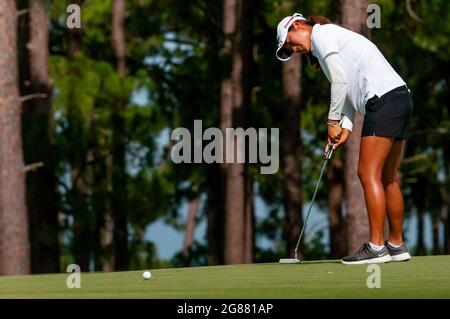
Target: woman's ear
[(296, 25)]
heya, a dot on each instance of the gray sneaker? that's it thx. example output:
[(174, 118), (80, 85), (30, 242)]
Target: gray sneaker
[(366, 255), (398, 254)]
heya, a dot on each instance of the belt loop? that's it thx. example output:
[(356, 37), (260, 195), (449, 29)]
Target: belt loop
[(408, 89)]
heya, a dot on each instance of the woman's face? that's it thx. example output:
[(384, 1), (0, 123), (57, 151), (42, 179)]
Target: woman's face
[(298, 39)]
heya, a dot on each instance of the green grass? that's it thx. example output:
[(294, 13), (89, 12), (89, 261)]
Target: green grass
[(423, 277)]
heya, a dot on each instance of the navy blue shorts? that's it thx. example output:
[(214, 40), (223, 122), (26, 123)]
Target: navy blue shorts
[(389, 115)]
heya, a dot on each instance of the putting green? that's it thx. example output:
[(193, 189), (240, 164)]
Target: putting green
[(423, 277)]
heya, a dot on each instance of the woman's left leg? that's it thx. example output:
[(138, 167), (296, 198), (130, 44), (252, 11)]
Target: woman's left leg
[(373, 154), (393, 193)]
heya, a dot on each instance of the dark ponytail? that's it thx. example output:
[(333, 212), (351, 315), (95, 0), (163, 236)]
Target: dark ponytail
[(314, 19)]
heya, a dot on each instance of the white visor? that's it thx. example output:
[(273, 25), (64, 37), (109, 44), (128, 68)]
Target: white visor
[(282, 53)]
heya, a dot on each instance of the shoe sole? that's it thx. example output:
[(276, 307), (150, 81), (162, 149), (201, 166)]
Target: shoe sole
[(401, 257), (378, 260)]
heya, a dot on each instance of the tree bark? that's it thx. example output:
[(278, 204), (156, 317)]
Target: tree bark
[(335, 178), (354, 17), (445, 214), (118, 35), (14, 240), (81, 227), (190, 226), (112, 238), (291, 147), (237, 25), (107, 227), (121, 257), (37, 127), (106, 242), (419, 202), (446, 202), (420, 231), (216, 214), (436, 221), (234, 173), (249, 236)]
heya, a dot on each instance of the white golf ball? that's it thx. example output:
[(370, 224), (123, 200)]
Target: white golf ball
[(147, 275)]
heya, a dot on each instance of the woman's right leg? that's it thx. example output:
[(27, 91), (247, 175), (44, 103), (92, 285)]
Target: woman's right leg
[(393, 193)]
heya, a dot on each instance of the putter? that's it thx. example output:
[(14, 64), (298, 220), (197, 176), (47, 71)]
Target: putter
[(295, 260)]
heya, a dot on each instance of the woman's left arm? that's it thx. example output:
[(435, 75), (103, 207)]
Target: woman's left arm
[(338, 79)]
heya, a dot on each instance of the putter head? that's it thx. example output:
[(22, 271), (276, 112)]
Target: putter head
[(289, 261)]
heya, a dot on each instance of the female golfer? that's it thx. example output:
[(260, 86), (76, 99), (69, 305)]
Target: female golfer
[(361, 80)]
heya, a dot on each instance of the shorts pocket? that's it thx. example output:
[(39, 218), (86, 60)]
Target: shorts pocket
[(372, 105)]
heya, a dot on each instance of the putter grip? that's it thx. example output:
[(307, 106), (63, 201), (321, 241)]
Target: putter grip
[(329, 151)]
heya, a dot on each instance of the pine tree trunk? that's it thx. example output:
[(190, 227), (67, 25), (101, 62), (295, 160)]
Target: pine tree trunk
[(121, 257), (106, 226), (445, 214), (291, 148), (81, 229), (81, 226), (14, 240), (354, 17), (446, 203), (190, 226), (234, 172), (36, 128), (435, 228), (118, 35), (419, 202), (216, 215), (249, 236), (235, 98), (420, 231), (335, 178), (235, 215), (106, 241)]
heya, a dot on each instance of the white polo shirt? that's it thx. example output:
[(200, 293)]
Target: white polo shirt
[(355, 67)]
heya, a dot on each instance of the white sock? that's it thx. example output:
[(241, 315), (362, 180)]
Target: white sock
[(395, 246), (375, 247)]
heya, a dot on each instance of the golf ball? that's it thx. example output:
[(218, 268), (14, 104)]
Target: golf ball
[(147, 275)]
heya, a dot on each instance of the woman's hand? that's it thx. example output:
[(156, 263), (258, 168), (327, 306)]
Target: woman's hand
[(334, 132), (343, 139)]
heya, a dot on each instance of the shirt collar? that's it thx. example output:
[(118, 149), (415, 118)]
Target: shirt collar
[(315, 27)]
